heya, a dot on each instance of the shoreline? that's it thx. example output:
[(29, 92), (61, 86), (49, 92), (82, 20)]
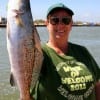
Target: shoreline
[(4, 25)]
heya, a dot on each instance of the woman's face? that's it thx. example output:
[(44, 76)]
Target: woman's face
[(59, 25)]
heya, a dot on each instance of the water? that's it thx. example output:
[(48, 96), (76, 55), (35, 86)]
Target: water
[(87, 36)]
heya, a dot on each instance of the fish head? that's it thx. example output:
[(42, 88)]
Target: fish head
[(17, 9)]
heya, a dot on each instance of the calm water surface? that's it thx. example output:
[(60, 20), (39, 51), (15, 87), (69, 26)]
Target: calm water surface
[(87, 36)]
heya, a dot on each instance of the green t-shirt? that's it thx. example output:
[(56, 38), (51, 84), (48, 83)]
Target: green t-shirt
[(68, 77)]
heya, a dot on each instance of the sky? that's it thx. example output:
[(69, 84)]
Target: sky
[(84, 10)]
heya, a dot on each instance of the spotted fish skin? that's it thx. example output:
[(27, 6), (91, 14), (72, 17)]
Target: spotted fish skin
[(24, 47)]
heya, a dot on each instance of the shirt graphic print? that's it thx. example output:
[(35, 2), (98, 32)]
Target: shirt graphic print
[(75, 79)]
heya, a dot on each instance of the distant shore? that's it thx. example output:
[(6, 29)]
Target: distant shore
[(43, 25), (2, 25)]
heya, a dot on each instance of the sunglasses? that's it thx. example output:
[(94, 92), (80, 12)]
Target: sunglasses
[(62, 20)]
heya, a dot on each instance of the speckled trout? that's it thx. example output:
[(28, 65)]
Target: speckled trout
[(24, 47)]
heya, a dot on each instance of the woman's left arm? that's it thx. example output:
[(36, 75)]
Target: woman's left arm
[(97, 89)]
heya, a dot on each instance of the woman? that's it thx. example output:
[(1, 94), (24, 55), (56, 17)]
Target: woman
[(69, 72)]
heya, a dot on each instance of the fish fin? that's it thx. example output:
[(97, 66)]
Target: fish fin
[(12, 80), (19, 21)]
